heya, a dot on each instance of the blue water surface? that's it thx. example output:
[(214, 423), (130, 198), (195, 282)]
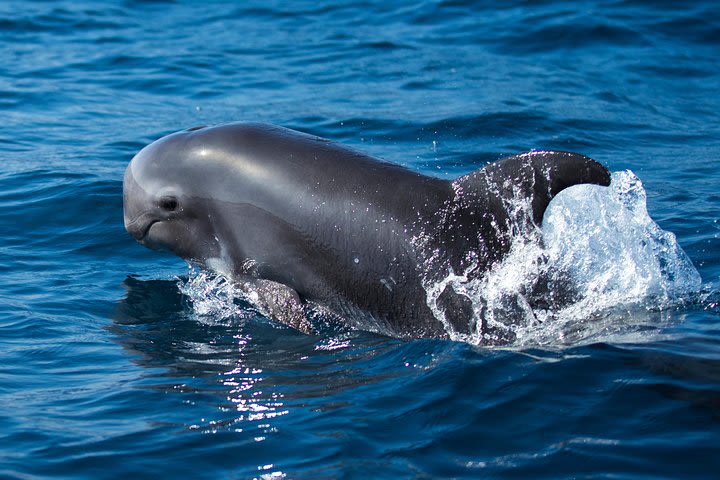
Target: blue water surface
[(105, 370)]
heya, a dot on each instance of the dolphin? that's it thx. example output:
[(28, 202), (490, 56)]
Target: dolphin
[(295, 218)]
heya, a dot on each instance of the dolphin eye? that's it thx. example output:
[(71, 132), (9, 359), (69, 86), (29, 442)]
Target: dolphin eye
[(169, 204)]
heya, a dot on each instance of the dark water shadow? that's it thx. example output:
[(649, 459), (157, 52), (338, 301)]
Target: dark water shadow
[(242, 363)]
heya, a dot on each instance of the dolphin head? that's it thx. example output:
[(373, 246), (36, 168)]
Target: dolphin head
[(161, 208), (212, 195), (250, 199)]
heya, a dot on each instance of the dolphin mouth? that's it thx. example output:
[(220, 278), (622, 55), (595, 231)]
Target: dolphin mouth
[(140, 227)]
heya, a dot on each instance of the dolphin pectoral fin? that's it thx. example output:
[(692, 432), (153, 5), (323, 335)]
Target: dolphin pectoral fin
[(278, 302)]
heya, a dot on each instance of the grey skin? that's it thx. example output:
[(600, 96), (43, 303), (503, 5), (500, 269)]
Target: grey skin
[(296, 218)]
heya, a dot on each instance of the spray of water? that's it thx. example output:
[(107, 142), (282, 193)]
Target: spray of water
[(214, 298), (597, 260)]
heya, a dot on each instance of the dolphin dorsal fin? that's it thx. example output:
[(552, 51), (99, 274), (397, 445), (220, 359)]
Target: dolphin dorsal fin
[(537, 176)]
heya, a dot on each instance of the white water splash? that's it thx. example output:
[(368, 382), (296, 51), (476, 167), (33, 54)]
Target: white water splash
[(618, 255), (597, 260), (213, 296), (216, 299)]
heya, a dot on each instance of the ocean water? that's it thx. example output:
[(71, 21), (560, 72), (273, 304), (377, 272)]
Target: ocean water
[(117, 361)]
